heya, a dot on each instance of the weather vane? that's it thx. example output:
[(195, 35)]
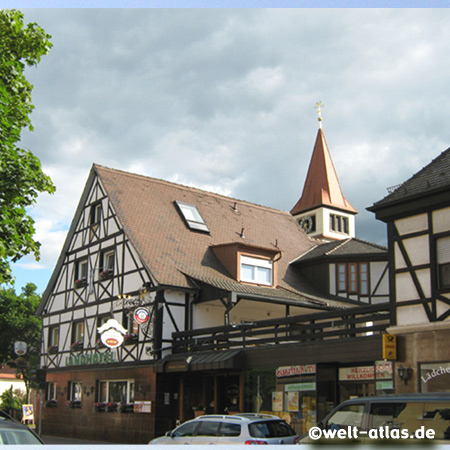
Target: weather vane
[(318, 108)]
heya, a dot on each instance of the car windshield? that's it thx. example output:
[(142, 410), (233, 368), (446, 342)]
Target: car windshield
[(270, 429), (15, 436)]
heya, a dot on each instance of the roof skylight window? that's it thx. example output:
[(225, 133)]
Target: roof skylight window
[(192, 217)]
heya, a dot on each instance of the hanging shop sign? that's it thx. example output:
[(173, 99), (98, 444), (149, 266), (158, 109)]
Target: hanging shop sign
[(290, 371), (20, 348), (141, 315), (112, 333), (389, 347)]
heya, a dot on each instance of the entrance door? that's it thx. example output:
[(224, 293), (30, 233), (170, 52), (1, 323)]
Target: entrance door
[(356, 389)]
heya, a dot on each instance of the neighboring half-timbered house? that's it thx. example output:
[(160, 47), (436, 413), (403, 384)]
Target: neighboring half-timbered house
[(229, 292), (417, 213)]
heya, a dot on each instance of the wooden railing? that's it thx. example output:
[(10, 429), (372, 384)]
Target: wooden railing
[(340, 324)]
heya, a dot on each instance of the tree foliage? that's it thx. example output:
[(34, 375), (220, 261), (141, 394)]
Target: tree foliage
[(18, 322), (21, 176)]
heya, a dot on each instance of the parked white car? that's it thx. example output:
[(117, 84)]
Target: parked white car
[(239, 429)]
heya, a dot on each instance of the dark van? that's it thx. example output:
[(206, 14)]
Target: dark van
[(392, 418)]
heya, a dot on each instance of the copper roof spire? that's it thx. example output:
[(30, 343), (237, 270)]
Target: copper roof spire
[(322, 187)]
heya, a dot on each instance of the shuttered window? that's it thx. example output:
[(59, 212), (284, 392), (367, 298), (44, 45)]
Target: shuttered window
[(443, 261)]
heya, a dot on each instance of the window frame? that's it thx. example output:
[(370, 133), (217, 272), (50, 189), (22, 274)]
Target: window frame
[(75, 391), (443, 262), (259, 265), (75, 335), (192, 216), (53, 330), (106, 397), (96, 213), (353, 278)]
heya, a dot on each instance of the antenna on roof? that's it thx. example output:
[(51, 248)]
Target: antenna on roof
[(318, 108)]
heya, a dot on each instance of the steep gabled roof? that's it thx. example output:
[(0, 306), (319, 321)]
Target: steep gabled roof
[(322, 187), (349, 248), (433, 178), (176, 255)]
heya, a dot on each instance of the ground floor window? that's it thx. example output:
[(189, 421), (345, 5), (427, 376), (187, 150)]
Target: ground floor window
[(435, 377), (75, 391), (117, 391)]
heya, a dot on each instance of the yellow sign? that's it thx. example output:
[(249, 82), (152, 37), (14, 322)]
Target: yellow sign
[(389, 347)]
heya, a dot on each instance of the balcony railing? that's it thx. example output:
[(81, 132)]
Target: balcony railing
[(341, 324)]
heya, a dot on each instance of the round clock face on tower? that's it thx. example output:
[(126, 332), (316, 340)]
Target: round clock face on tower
[(307, 224)]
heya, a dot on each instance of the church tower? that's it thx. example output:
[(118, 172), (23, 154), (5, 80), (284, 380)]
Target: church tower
[(322, 210)]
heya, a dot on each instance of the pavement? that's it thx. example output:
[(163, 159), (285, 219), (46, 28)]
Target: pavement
[(58, 440)]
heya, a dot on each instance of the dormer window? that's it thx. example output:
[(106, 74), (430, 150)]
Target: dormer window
[(256, 270), (192, 217)]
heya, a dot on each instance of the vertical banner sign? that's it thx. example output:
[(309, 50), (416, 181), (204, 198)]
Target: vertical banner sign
[(389, 347)]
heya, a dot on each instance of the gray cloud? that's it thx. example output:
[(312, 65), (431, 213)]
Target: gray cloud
[(223, 99)]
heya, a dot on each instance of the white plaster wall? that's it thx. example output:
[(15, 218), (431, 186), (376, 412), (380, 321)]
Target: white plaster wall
[(418, 250), (441, 220), (405, 288), (178, 313), (411, 315), (376, 271), (332, 269), (412, 224)]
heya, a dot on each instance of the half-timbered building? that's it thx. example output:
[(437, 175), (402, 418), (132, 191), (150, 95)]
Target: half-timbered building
[(241, 311), (417, 213)]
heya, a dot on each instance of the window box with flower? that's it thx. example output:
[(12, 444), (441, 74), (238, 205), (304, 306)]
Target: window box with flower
[(76, 346), (125, 408), (53, 349), (80, 283), (112, 407), (51, 404), (106, 274), (130, 338), (100, 407), (73, 404)]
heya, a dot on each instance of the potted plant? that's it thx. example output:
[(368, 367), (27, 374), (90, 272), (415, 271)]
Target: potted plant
[(53, 349)]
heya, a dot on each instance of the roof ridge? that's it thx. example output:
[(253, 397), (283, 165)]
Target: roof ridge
[(183, 186), (304, 253), (341, 244), (381, 247)]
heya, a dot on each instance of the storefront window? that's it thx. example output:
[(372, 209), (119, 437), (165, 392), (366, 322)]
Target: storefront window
[(435, 377), (118, 391)]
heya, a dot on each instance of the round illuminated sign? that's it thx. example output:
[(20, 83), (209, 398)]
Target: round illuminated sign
[(141, 315)]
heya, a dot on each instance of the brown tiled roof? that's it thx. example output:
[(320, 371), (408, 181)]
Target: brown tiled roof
[(176, 255), (322, 186)]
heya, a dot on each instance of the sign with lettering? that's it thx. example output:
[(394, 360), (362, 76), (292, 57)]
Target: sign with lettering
[(141, 315), (383, 371), (112, 333), (91, 359), (389, 347), (290, 371)]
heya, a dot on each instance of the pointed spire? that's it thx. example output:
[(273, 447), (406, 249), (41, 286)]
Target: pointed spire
[(322, 187)]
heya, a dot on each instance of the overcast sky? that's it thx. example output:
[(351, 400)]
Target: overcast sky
[(223, 99)]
